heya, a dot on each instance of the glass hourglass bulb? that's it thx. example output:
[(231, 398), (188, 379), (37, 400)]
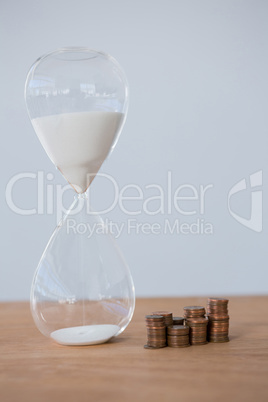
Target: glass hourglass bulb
[(82, 292)]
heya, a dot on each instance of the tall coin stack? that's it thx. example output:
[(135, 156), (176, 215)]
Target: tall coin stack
[(195, 319), (218, 326), (178, 336), (156, 332), (168, 317)]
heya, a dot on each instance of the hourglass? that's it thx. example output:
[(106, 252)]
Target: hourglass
[(82, 292)]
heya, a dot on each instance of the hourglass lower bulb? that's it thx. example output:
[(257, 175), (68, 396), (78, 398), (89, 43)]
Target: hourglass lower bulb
[(82, 292)]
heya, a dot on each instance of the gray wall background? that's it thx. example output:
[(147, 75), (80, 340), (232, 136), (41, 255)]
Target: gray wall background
[(197, 72)]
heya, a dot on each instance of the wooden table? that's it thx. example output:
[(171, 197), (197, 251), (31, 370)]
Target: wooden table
[(33, 368)]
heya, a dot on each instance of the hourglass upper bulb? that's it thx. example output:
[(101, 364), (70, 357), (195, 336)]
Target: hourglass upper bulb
[(77, 101)]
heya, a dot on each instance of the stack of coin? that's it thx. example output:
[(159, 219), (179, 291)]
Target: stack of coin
[(218, 326), (167, 316), (195, 319), (156, 332), (194, 311), (217, 305), (178, 320), (178, 336), (198, 330)]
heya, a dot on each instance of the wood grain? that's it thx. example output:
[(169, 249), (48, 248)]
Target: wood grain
[(33, 368)]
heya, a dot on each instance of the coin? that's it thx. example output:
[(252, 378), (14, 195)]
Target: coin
[(155, 324), (217, 300), (154, 317), (194, 311), (152, 342), (218, 317), (153, 347), (178, 320), (157, 330), (178, 330), (179, 346), (163, 313)]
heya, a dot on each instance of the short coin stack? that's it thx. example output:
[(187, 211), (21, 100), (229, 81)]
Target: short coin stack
[(195, 319), (156, 332), (178, 336), (218, 326), (168, 317)]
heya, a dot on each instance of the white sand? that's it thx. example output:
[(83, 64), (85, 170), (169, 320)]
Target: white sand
[(78, 143), (85, 335)]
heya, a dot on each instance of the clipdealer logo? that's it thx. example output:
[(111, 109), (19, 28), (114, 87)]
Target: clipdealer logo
[(177, 209), (255, 183)]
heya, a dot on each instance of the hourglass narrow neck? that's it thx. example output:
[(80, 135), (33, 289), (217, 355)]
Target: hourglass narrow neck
[(81, 196), (81, 210), (81, 204)]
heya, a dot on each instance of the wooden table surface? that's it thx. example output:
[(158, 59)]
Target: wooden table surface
[(34, 368)]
